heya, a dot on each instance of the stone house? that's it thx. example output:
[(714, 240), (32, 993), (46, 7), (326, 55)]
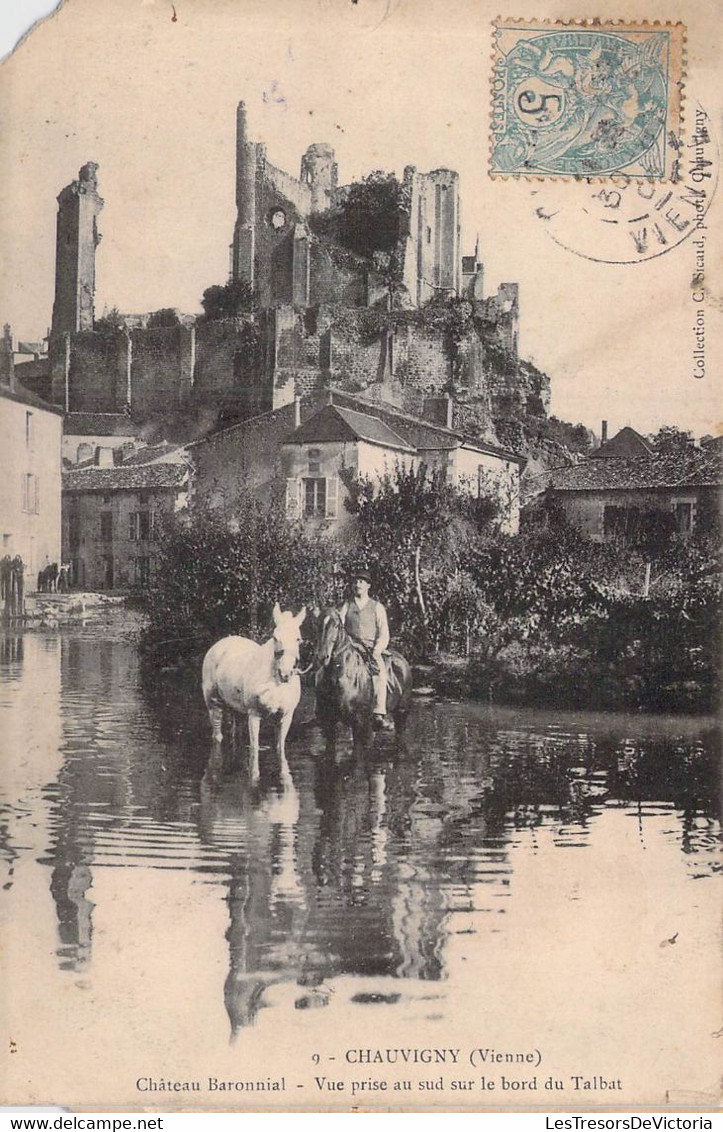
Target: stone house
[(606, 497), (111, 517), (303, 449), (30, 471)]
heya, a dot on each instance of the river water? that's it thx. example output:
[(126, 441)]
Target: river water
[(510, 880)]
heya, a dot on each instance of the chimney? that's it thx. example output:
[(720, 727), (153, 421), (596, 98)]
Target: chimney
[(297, 411), (103, 458), (604, 433), (7, 358)]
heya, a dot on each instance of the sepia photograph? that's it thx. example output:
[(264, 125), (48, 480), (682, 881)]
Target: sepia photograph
[(361, 454)]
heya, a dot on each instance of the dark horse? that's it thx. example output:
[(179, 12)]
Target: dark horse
[(344, 690)]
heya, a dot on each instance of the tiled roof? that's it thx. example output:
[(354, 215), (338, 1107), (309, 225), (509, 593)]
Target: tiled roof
[(153, 453), (420, 434), (694, 468), (333, 422), (100, 424), (25, 397), (626, 443), (124, 478)]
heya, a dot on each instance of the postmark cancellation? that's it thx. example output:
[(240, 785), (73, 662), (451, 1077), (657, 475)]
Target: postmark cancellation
[(583, 99)]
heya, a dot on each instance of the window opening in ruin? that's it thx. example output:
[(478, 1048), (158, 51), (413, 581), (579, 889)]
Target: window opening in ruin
[(277, 219)]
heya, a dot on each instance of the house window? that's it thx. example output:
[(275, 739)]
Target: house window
[(142, 497), (29, 431), (684, 518), (141, 570), (106, 526), (84, 452), (31, 494), (141, 525), (107, 499), (312, 497), (315, 498), (314, 461), (73, 530), (108, 574), (620, 522)]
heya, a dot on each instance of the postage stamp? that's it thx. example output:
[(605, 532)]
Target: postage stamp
[(585, 99)]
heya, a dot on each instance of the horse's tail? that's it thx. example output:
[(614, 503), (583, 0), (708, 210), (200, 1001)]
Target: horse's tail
[(400, 680)]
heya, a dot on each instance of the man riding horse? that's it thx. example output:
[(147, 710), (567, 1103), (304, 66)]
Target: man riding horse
[(365, 620)]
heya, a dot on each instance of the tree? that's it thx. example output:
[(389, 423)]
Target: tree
[(166, 316), (670, 441), (110, 323), (370, 214), (227, 301), (411, 527)]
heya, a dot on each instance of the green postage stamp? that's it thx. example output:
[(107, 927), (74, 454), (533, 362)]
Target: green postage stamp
[(585, 99)]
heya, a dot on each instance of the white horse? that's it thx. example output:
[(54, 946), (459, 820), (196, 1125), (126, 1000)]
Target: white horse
[(258, 681)]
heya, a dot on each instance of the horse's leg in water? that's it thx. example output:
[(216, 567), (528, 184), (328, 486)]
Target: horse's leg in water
[(254, 728), (282, 730), (361, 730), (215, 714)]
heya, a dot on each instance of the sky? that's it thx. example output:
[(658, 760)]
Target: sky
[(388, 83)]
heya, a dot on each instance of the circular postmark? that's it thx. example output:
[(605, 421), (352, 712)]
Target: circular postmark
[(632, 219)]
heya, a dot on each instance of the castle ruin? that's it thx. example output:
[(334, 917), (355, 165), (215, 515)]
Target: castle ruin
[(410, 327)]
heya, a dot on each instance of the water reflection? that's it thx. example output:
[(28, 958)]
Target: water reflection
[(368, 866)]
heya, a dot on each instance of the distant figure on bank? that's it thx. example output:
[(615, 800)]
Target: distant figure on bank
[(365, 620)]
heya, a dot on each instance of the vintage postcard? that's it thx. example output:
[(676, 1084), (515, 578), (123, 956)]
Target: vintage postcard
[(360, 572)]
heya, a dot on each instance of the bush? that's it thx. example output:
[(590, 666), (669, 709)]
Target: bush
[(220, 570)]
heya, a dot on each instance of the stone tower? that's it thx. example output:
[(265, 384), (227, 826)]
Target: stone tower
[(321, 173), (243, 249), (77, 239)]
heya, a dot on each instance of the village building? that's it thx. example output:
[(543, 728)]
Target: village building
[(29, 474), (610, 495), (112, 513), (308, 452), (83, 433), (627, 444)]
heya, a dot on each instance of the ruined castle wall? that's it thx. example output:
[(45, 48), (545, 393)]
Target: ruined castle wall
[(338, 276), (273, 247), (156, 360), (289, 187), (421, 361), (97, 372), (226, 366)]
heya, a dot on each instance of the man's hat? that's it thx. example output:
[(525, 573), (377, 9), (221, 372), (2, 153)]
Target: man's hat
[(360, 571)]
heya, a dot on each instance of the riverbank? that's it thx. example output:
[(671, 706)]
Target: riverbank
[(522, 675), (44, 611), (567, 679)]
